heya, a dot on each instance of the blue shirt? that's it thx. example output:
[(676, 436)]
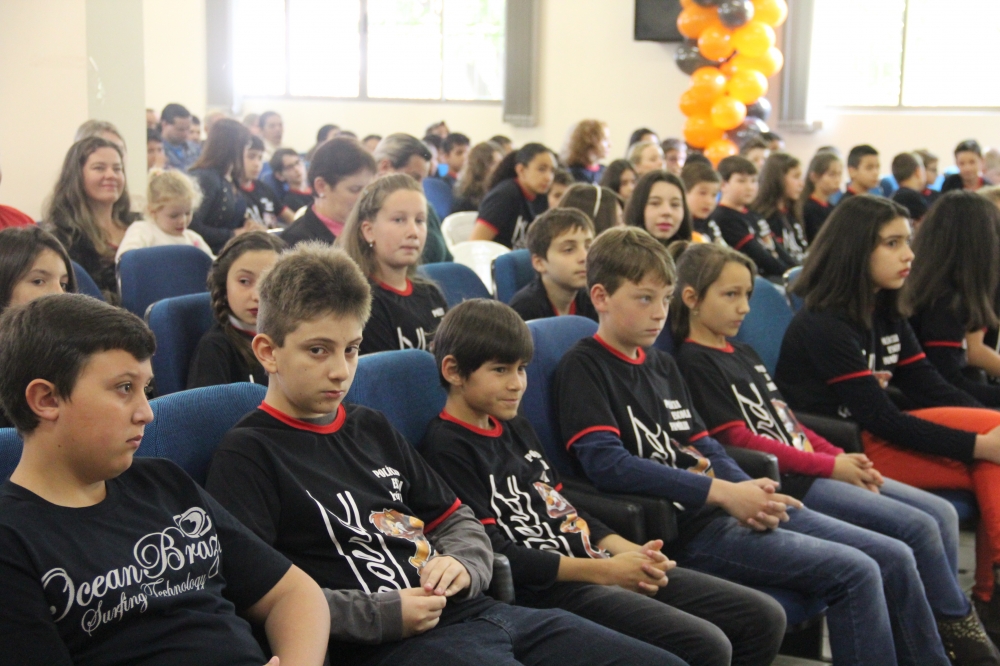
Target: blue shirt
[(181, 156)]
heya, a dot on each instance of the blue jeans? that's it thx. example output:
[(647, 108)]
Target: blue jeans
[(506, 635), (924, 522), (878, 613)]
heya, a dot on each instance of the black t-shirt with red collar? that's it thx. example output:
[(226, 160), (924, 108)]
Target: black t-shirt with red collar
[(502, 474), (955, 182), (832, 366), (507, 210), (403, 319), (708, 228), (747, 232), (814, 214), (848, 193), (532, 302), (263, 204), (296, 199)]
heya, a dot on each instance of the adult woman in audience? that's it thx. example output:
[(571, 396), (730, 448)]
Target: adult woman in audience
[(89, 209), (600, 204), (339, 171), (506, 211), (325, 133), (658, 205), (589, 143), (646, 156), (222, 213), (620, 176), (471, 186)]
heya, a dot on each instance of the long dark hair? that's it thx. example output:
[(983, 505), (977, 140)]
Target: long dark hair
[(635, 212), (819, 165), (223, 151), (613, 174), (337, 159), (473, 178), (771, 198), (599, 203), (957, 253), (237, 246), (837, 272), (699, 265), (506, 169), (19, 248)]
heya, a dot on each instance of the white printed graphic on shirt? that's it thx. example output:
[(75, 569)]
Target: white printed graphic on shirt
[(162, 568), (665, 449), (761, 421), (519, 237), (521, 523), (406, 343)]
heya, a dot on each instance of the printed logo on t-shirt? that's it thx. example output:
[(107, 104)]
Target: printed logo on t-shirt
[(891, 347), (716, 233), (406, 343), (778, 423), (519, 237), (765, 235), (396, 524), (663, 448), (438, 312)]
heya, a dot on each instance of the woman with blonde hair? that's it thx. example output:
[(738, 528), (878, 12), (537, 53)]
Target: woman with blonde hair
[(646, 156), (589, 142)]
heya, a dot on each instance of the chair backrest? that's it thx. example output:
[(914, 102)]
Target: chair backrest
[(178, 324), (439, 195), (511, 272), (458, 283), (665, 340), (791, 275), (457, 227), (404, 386), (765, 325), (10, 451), (479, 256), (85, 284), (151, 274), (553, 337)]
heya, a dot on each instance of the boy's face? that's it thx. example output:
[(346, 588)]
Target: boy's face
[(969, 165), (315, 367), (253, 162), (155, 158), (195, 134), (566, 261), (740, 190), (456, 158), (866, 173), (758, 156), (636, 312), (931, 171), (100, 425), (702, 198), (495, 389), (292, 171), (555, 194)]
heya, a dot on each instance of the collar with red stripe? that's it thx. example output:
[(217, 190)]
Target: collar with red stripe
[(399, 292), (248, 188), (639, 360), (572, 307), (741, 209), (593, 168), (299, 424), (528, 194), (495, 431), (851, 190), (824, 204), (729, 349)]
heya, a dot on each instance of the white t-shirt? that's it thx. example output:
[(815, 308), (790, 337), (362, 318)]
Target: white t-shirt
[(144, 233)]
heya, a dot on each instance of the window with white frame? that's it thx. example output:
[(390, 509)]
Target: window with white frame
[(903, 53), (369, 49)]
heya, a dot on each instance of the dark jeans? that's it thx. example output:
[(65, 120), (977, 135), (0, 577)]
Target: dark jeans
[(702, 619), (509, 635)]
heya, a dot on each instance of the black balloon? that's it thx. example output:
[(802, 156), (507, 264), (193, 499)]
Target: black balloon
[(707, 3), (760, 109), (688, 58), (749, 129), (735, 13)]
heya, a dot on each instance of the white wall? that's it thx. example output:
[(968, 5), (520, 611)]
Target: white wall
[(175, 41)]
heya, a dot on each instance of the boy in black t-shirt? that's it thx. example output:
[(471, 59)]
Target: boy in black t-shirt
[(106, 559), (263, 204), (402, 562), (287, 167), (863, 169), (701, 185), (908, 170), (562, 558), (558, 242)]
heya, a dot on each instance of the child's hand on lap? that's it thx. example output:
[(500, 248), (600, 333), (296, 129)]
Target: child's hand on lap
[(857, 470), (754, 503), (638, 572), (444, 576), (421, 610)]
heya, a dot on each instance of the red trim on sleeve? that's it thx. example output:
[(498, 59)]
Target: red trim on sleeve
[(480, 220), (726, 426), (443, 517), (489, 521), (942, 343), (743, 241), (913, 359), (303, 425), (398, 292), (587, 431), (703, 433), (495, 431), (852, 375), (640, 356)]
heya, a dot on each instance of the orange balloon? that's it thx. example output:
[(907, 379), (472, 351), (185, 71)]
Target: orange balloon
[(692, 104), (709, 78), (692, 21), (716, 42), (747, 85), (768, 64), (771, 12), (752, 39), (728, 113), (699, 131), (719, 150)]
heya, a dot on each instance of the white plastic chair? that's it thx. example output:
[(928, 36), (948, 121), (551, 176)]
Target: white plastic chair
[(479, 255), (457, 228)]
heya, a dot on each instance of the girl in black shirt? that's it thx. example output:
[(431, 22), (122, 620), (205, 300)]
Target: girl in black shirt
[(620, 176), (822, 181), (506, 211), (471, 186), (224, 355), (385, 235), (659, 206), (780, 185)]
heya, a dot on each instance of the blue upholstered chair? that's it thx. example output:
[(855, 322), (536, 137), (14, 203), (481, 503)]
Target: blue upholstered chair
[(791, 275), (439, 195), (85, 284), (457, 282), (765, 325), (178, 324), (511, 272), (151, 274)]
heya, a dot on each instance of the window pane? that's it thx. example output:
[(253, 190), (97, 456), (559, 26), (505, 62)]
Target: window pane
[(856, 61), (473, 49), (258, 47), (325, 53), (404, 49), (949, 49)]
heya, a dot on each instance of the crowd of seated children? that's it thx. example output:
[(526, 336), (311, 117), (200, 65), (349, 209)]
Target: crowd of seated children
[(620, 177), (171, 198), (908, 172), (452, 156), (506, 210), (701, 193), (405, 154), (969, 160), (175, 128), (471, 186), (646, 156), (263, 204), (741, 229), (600, 204), (561, 557), (106, 558), (951, 294), (743, 407), (562, 180), (822, 182), (223, 354), (863, 170), (779, 187), (658, 205), (674, 155), (89, 210), (558, 241), (340, 170), (589, 142), (288, 169), (402, 561), (628, 418), (851, 340), (385, 235), (756, 151)]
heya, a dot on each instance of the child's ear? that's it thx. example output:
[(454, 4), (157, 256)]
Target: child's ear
[(539, 264), (449, 370), (689, 297), (599, 297), (366, 231), (43, 399), (263, 348)]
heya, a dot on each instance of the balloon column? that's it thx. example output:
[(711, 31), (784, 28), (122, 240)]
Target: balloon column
[(729, 53)]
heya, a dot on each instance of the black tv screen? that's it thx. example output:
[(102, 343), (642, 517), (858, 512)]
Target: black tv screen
[(656, 21)]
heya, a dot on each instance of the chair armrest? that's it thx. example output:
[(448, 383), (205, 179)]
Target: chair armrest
[(757, 464), (502, 585), (845, 434), (657, 516)]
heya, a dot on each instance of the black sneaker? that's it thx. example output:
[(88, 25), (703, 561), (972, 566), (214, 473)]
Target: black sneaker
[(966, 642)]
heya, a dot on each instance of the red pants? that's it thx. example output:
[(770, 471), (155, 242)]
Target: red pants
[(931, 472)]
